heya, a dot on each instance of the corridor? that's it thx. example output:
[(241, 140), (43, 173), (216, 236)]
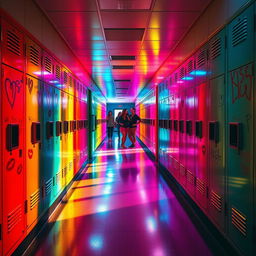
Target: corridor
[(121, 206)]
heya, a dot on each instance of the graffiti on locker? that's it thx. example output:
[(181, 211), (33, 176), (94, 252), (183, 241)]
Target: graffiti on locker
[(242, 83), (30, 153), (10, 164), (29, 82), (19, 169), (12, 87)]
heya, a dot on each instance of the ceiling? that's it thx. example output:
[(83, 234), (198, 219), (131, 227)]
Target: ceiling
[(140, 33)]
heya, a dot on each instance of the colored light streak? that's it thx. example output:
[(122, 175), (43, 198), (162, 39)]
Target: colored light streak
[(151, 224), (187, 78), (198, 73), (96, 242), (102, 208)]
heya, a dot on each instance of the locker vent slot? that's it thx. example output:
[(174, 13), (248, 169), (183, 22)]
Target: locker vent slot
[(57, 72), (13, 43), (190, 177), (65, 77), (239, 32), (176, 77), (239, 221), (48, 64), (190, 66), (14, 218), (70, 82), (34, 199), (182, 72), (182, 170), (201, 59), (48, 186), (200, 186), (215, 50), (58, 178), (34, 55), (216, 201)]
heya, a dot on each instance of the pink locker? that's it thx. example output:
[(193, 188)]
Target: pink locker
[(201, 127)]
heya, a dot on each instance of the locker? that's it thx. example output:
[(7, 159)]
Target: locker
[(240, 44), (190, 140), (33, 59), (12, 151), (13, 46), (64, 150), (58, 129), (240, 133), (216, 136), (240, 156), (32, 153), (70, 143), (201, 136), (47, 148), (77, 138), (181, 134)]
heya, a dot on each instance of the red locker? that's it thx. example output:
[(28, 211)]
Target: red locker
[(12, 150), (13, 46)]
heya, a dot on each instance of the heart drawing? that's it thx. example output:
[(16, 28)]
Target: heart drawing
[(11, 89)]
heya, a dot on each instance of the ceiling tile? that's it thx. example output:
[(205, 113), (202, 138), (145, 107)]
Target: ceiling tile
[(180, 6), (124, 19), (167, 20), (165, 35), (75, 19), (84, 34), (67, 5), (124, 34)]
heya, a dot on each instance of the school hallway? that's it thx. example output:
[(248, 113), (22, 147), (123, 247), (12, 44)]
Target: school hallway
[(121, 205)]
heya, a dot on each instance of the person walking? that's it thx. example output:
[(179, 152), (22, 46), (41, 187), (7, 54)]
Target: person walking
[(117, 124), (110, 125), (124, 122), (134, 121)]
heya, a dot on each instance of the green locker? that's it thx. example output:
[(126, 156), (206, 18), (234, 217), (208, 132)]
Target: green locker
[(217, 160), (240, 130)]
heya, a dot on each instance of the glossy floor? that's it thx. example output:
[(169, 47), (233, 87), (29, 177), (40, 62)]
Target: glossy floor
[(121, 206)]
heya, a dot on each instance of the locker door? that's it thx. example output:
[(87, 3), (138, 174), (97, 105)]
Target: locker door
[(216, 136), (13, 176), (181, 134), (33, 141), (201, 135), (47, 151), (190, 140), (57, 142), (64, 109), (240, 130)]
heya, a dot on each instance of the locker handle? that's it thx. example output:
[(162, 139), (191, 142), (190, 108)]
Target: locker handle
[(214, 131), (235, 135), (12, 136), (199, 129), (189, 127)]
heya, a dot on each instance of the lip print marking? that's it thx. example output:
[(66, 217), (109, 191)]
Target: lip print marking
[(11, 89), (19, 169), (10, 164)]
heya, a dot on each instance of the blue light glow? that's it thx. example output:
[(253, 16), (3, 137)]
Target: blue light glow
[(96, 242), (151, 224), (198, 73), (187, 78)]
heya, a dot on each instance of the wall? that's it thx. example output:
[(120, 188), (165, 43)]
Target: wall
[(113, 106)]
